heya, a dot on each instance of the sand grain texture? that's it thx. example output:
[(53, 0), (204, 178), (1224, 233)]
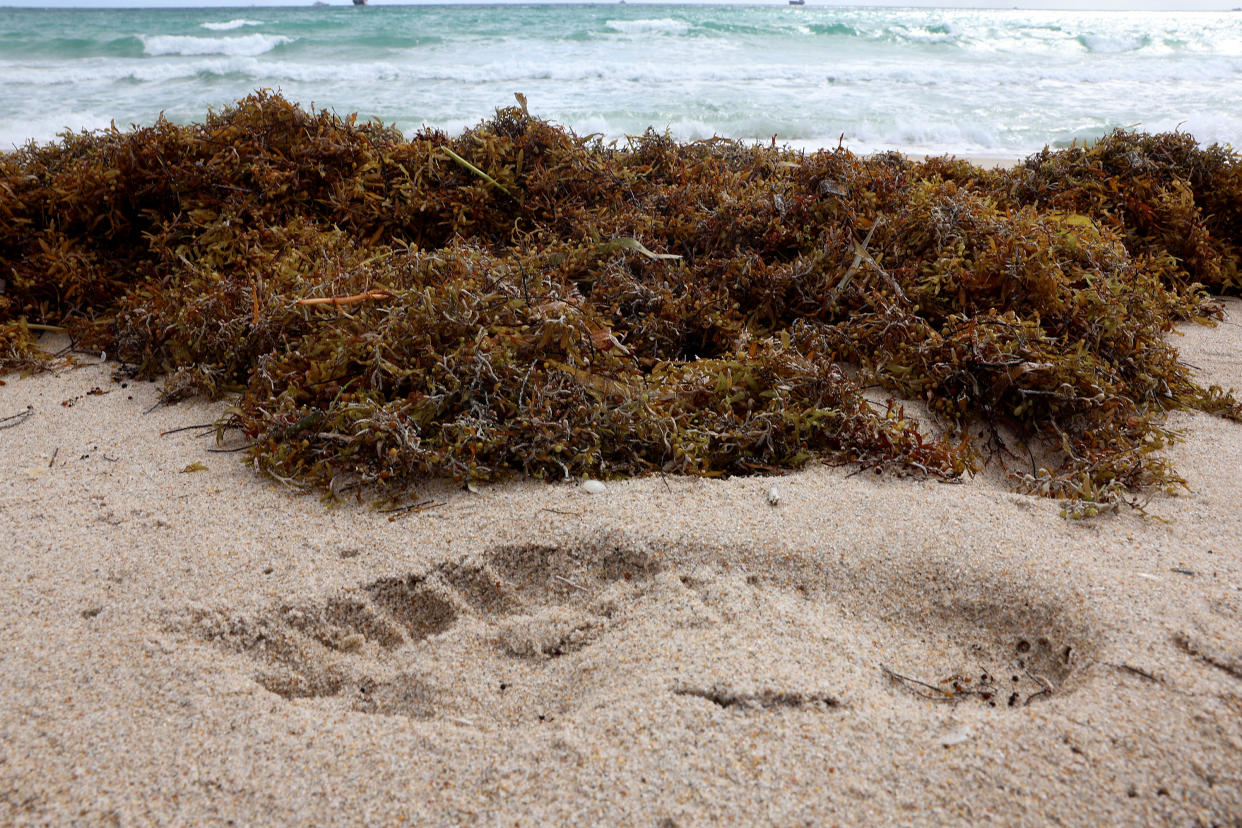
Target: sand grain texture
[(188, 647)]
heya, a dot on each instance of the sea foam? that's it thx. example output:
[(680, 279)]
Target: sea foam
[(1112, 45), (228, 25), (189, 45), (661, 25)]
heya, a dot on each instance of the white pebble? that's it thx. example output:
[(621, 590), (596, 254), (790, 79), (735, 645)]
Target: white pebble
[(593, 487), (957, 737)]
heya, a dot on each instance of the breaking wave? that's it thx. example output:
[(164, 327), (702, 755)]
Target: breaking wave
[(189, 45), (228, 25), (662, 25)]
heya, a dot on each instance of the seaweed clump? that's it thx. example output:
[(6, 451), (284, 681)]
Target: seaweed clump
[(519, 299)]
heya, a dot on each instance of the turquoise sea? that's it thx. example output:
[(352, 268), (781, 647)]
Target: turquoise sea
[(963, 81)]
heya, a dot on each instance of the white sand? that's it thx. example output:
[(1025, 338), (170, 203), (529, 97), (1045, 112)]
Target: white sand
[(201, 647)]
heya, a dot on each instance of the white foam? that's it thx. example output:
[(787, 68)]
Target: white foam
[(45, 128), (92, 76), (660, 25), (922, 34), (231, 24), (1207, 129), (1102, 44), (691, 129), (244, 46)]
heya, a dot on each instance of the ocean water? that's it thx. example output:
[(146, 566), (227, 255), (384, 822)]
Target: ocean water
[(961, 81)]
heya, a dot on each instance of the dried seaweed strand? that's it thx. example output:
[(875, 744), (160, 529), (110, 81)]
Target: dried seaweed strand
[(347, 300)]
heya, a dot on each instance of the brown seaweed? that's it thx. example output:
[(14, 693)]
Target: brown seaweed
[(519, 299)]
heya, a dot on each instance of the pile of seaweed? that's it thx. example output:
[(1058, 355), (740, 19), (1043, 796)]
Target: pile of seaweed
[(520, 299)]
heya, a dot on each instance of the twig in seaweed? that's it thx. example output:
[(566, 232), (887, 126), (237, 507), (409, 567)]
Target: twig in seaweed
[(347, 300), (14, 420), (630, 243), (860, 250), (861, 255), (477, 171), (293, 484)]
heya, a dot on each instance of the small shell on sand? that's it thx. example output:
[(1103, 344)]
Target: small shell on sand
[(774, 496), (957, 736), (593, 487)]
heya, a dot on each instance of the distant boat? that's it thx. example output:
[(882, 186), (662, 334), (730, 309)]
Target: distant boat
[(364, 2), (791, 2)]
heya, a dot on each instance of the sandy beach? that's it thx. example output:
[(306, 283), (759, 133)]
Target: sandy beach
[(209, 647), (509, 244)]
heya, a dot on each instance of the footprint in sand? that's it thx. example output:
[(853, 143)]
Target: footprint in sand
[(524, 633)]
